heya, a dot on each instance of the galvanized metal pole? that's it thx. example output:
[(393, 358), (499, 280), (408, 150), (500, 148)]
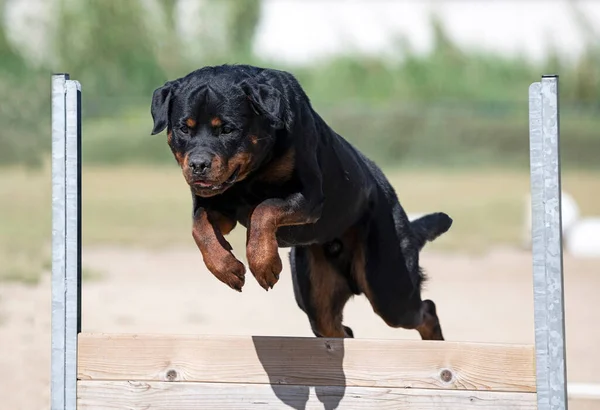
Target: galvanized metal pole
[(546, 230), (66, 239)]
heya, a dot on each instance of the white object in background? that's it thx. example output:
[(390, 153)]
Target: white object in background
[(583, 238), (584, 391), (570, 212), (570, 216)]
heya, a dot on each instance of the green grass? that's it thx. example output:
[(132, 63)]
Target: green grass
[(150, 207), (25, 218)]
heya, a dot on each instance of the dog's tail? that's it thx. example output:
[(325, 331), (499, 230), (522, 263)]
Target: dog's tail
[(429, 227)]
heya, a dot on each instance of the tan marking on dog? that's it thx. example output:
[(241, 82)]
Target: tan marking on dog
[(429, 329), (216, 252), (190, 122), (280, 169), (242, 160), (329, 293), (215, 122), (169, 137), (254, 139), (217, 164), (352, 240), (261, 244), (180, 159), (224, 224)]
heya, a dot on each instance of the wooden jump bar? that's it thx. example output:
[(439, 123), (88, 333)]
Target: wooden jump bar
[(105, 395), (307, 361), (130, 370)]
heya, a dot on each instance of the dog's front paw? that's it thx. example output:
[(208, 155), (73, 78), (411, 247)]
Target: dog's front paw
[(264, 262), (228, 270)]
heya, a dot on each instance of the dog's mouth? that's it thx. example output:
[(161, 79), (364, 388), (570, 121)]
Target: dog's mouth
[(211, 186)]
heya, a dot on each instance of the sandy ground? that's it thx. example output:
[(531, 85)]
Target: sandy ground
[(480, 298)]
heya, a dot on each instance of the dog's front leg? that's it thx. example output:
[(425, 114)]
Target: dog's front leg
[(300, 208), (208, 230)]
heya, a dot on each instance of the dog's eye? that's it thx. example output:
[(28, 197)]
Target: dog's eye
[(226, 129), (184, 129)]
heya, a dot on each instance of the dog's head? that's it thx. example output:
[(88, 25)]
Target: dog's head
[(221, 124)]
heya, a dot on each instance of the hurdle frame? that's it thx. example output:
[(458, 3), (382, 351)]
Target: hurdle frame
[(546, 389), (66, 239)]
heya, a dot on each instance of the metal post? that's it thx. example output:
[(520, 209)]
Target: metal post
[(546, 229), (66, 239)]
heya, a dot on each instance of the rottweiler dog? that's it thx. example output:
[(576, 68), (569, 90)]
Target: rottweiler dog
[(254, 151)]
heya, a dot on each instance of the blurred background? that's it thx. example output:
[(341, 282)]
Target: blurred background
[(434, 91)]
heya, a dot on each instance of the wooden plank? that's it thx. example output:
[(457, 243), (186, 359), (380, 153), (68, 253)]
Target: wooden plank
[(105, 395), (307, 361)]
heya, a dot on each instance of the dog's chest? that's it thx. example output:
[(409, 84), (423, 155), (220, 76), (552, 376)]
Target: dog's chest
[(242, 201)]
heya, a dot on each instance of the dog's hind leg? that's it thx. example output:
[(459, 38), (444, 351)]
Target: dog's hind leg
[(383, 275), (320, 289)]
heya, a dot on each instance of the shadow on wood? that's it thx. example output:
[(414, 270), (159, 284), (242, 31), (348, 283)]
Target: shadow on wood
[(321, 364)]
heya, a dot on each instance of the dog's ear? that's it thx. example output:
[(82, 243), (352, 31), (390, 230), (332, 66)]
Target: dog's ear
[(161, 102), (266, 101)]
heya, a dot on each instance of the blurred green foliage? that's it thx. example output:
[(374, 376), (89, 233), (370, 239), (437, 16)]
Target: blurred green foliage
[(450, 107), (22, 85), (107, 47)]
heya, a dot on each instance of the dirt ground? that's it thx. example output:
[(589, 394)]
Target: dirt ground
[(480, 298)]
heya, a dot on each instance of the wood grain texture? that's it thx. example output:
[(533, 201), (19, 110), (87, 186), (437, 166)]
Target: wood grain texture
[(106, 395), (307, 361)]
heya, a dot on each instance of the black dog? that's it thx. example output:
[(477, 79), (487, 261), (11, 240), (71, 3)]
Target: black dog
[(254, 151)]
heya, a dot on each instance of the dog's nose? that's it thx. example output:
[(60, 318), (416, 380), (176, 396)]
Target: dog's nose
[(200, 164)]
